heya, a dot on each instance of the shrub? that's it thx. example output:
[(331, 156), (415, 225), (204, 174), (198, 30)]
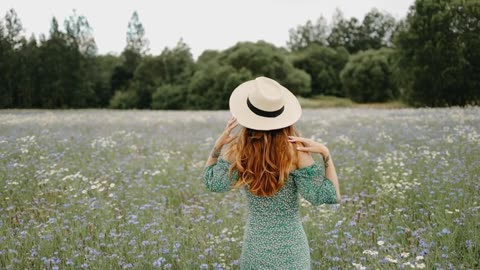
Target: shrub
[(368, 77), (124, 100), (324, 65), (169, 97)]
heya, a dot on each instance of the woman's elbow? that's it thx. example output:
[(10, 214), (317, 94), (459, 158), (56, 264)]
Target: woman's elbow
[(314, 200), (317, 201)]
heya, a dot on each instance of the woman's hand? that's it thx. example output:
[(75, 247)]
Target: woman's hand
[(310, 145), (225, 137)]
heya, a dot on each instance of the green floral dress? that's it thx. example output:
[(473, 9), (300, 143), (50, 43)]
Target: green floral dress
[(274, 237)]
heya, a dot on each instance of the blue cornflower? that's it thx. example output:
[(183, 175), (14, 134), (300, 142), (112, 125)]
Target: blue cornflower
[(445, 231), (468, 243), (158, 262)]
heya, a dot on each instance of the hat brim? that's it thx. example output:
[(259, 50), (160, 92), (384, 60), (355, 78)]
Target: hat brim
[(245, 117)]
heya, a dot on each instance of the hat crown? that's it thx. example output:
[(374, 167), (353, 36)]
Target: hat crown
[(264, 104), (266, 95)]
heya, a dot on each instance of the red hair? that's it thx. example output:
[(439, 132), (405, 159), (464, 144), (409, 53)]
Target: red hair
[(263, 159)]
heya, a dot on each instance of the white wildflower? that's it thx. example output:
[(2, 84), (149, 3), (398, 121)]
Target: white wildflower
[(370, 252), (404, 254), (390, 259), (359, 266), (420, 265)]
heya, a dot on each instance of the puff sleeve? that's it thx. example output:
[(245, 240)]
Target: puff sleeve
[(314, 186), (216, 176)]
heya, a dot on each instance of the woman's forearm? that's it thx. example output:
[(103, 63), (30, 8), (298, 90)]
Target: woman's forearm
[(331, 174), (213, 156), (224, 139)]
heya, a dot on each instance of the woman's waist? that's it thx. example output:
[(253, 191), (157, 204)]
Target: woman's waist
[(265, 218), (276, 227)]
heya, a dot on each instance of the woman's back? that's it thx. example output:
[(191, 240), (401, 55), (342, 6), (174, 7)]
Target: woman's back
[(274, 237)]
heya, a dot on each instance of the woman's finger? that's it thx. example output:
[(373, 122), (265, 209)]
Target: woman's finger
[(232, 126), (298, 139), (295, 138), (233, 122), (304, 149), (230, 121), (230, 139)]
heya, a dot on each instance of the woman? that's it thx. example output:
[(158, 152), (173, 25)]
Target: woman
[(274, 165)]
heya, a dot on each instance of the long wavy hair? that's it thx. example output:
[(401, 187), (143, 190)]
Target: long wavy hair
[(263, 159)]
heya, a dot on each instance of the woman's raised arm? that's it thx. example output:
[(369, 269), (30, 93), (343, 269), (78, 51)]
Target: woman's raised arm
[(315, 147), (225, 138)]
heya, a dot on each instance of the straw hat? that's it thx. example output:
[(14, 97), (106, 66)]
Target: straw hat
[(264, 104)]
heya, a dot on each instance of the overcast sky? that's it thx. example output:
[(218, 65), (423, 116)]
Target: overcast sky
[(203, 24)]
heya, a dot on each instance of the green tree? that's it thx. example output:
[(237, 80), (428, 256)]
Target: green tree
[(304, 35), (123, 74), (57, 78), (264, 59), (105, 66), (169, 97), (136, 40), (11, 40), (65, 75), (80, 38), (6, 97), (124, 100), (368, 76), (437, 53), (208, 56), (80, 33), (212, 84), (217, 74), (376, 30), (53, 70), (324, 65), (28, 68), (344, 33), (14, 29), (172, 67)]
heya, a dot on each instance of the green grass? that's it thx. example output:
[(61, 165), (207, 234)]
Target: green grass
[(322, 101)]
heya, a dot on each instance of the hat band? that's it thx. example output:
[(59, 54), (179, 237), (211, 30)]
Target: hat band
[(263, 113)]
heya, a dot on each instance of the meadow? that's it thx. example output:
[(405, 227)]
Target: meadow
[(104, 189)]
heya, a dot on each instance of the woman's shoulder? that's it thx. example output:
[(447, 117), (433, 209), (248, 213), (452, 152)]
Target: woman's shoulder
[(304, 164), (228, 155), (304, 159)]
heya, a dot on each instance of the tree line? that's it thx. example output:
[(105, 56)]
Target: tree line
[(429, 58)]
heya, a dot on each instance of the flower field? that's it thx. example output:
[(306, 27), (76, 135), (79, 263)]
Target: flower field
[(102, 189)]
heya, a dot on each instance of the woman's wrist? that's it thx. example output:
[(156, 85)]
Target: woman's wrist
[(216, 151), (326, 160), (324, 152), (218, 146)]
